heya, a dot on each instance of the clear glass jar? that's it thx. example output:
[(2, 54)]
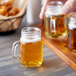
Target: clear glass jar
[(72, 34), (54, 21), (31, 47)]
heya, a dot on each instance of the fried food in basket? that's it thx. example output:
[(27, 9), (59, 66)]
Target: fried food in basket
[(10, 2), (3, 10), (13, 12), (7, 3), (7, 8)]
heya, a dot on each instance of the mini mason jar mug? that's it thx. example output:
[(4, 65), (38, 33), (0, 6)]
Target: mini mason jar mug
[(54, 21), (72, 33), (30, 47)]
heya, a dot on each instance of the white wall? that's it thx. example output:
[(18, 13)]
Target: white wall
[(33, 11)]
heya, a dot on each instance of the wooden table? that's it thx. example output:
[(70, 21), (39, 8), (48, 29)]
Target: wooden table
[(52, 65)]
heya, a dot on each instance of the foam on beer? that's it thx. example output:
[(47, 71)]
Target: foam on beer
[(53, 10), (24, 40), (72, 23), (30, 35), (71, 26)]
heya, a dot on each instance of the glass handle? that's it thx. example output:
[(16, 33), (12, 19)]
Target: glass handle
[(14, 49), (53, 24)]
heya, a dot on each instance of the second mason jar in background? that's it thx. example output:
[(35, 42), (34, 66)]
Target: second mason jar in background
[(54, 21)]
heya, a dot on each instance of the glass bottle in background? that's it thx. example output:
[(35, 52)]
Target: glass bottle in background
[(55, 25), (33, 11), (72, 34)]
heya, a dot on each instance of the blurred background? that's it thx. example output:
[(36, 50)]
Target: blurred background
[(33, 10)]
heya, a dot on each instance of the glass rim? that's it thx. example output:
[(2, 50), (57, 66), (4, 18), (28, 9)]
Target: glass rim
[(31, 30), (73, 17), (72, 21), (50, 3), (54, 7)]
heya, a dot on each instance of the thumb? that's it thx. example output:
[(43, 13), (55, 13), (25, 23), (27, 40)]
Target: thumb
[(70, 6)]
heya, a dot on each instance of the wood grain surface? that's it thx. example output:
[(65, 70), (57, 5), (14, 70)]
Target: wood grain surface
[(59, 47), (52, 64)]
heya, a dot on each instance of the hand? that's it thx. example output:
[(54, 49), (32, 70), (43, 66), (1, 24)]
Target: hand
[(69, 7)]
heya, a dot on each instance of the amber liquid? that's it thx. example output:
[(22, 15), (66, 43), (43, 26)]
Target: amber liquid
[(31, 54), (72, 39), (55, 26)]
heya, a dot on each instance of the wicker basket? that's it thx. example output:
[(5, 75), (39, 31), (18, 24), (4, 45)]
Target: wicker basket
[(11, 23)]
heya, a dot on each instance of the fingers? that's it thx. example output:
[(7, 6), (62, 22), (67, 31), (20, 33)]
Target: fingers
[(63, 0), (43, 9), (70, 6)]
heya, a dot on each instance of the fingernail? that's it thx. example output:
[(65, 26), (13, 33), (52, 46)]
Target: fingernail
[(41, 16)]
